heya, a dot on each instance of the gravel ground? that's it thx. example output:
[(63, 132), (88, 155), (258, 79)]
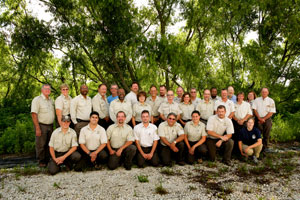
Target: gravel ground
[(200, 181)]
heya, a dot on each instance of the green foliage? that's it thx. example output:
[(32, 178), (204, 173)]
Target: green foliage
[(143, 178)]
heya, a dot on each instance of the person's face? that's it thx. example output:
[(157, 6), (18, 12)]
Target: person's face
[(121, 94), (65, 124), (135, 88), (162, 91), (251, 96), (250, 124), (206, 95), (214, 92), (46, 91), (224, 94), (264, 92), (195, 117), (142, 98), (186, 98), (230, 91), (240, 97), (64, 91), (114, 90), (121, 118), (145, 117), (84, 90), (221, 113), (179, 92), (193, 93), (102, 90), (170, 95), (153, 91), (94, 119), (171, 120)]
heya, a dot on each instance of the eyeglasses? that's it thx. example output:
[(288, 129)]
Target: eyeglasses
[(170, 94), (65, 89), (171, 118)]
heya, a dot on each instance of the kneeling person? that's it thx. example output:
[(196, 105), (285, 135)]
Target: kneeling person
[(92, 140), (62, 146), (171, 139), (120, 138), (146, 140), (195, 137), (217, 126), (250, 142)]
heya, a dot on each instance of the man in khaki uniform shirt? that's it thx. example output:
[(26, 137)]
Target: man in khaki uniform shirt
[(162, 93), (179, 92), (264, 108), (194, 98), (206, 107), (81, 108), (101, 106), (220, 130), (171, 141), (120, 138), (62, 147), (62, 104), (92, 141), (229, 105), (169, 106), (132, 95), (120, 105), (42, 113), (154, 101)]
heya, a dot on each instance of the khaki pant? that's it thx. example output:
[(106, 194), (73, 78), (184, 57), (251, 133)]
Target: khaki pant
[(256, 151), (265, 129), (69, 161), (128, 154), (141, 160), (41, 143), (226, 147)]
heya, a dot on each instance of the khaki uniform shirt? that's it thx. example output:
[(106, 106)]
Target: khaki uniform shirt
[(196, 101), (81, 108), (154, 105), (186, 110), (145, 135), (219, 126), (166, 108), (215, 99), (119, 135), (206, 109), (63, 103), (92, 139), (163, 99), (63, 142), (243, 109), (100, 105), (137, 111), (169, 132), (177, 100), (194, 132), (44, 108), (264, 106), (116, 106), (229, 105), (131, 97)]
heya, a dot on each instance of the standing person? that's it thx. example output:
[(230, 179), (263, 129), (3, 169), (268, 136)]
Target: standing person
[(214, 94), (231, 95), (171, 139), (206, 106), (194, 138), (120, 105), (62, 146), (146, 140), (229, 105), (162, 93), (120, 138), (42, 113), (220, 130), (169, 106), (154, 101), (250, 142), (251, 97), (92, 141), (132, 95), (139, 107), (194, 98), (186, 108), (81, 108), (114, 93), (62, 103), (264, 108), (179, 92), (101, 106)]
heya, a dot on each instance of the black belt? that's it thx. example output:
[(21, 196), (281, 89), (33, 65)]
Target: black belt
[(80, 120), (46, 124)]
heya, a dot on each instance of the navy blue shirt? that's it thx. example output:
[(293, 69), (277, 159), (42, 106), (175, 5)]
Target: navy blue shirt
[(249, 137)]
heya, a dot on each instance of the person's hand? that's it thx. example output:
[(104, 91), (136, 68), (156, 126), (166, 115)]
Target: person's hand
[(93, 156), (192, 150), (60, 159), (246, 150), (38, 132), (240, 122), (119, 152), (261, 121), (149, 156), (173, 147), (219, 143), (106, 118), (224, 138), (112, 152), (243, 154)]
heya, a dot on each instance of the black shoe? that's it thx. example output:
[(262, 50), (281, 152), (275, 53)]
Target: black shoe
[(227, 162), (127, 167), (181, 163)]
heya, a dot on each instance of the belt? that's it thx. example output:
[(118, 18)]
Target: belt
[(46, 124), (80, 120)]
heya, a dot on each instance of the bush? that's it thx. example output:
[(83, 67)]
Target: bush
[(287, 128)]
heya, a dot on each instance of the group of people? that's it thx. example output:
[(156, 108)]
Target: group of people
[(157, 129)]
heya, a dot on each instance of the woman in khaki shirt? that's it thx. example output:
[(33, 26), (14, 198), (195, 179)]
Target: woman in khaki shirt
[(187, 108)]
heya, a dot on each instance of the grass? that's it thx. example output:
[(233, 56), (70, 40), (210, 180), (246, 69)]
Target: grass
[(143, 178), (191, 188), (159, 189), (223, 170), (211, 164), (246, 189), (21, 188), (169, 171), (56, 185), (243, 170)]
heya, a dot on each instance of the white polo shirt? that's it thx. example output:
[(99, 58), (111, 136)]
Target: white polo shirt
[(241, 110), (219, 125), (229, 105), (92, 139), (264, 106), (81, 108), (145, 135)]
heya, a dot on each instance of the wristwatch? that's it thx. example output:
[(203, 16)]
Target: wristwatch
[(175, 142)]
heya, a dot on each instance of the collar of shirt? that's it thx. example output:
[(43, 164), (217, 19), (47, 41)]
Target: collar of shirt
[(87, 97), (124, 101), (64, 97), (68, 131), (43, 96), (97, 127), (221, 120), (195, 125)]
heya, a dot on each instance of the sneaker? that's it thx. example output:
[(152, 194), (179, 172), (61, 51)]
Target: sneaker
[(268, 150), (255, 159)]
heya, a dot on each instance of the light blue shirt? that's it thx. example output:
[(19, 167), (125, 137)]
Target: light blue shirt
[(233, 98), (111, 98)]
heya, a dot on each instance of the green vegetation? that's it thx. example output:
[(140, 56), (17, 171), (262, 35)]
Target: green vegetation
[(159, 189), (56, 185), (143, 178)]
